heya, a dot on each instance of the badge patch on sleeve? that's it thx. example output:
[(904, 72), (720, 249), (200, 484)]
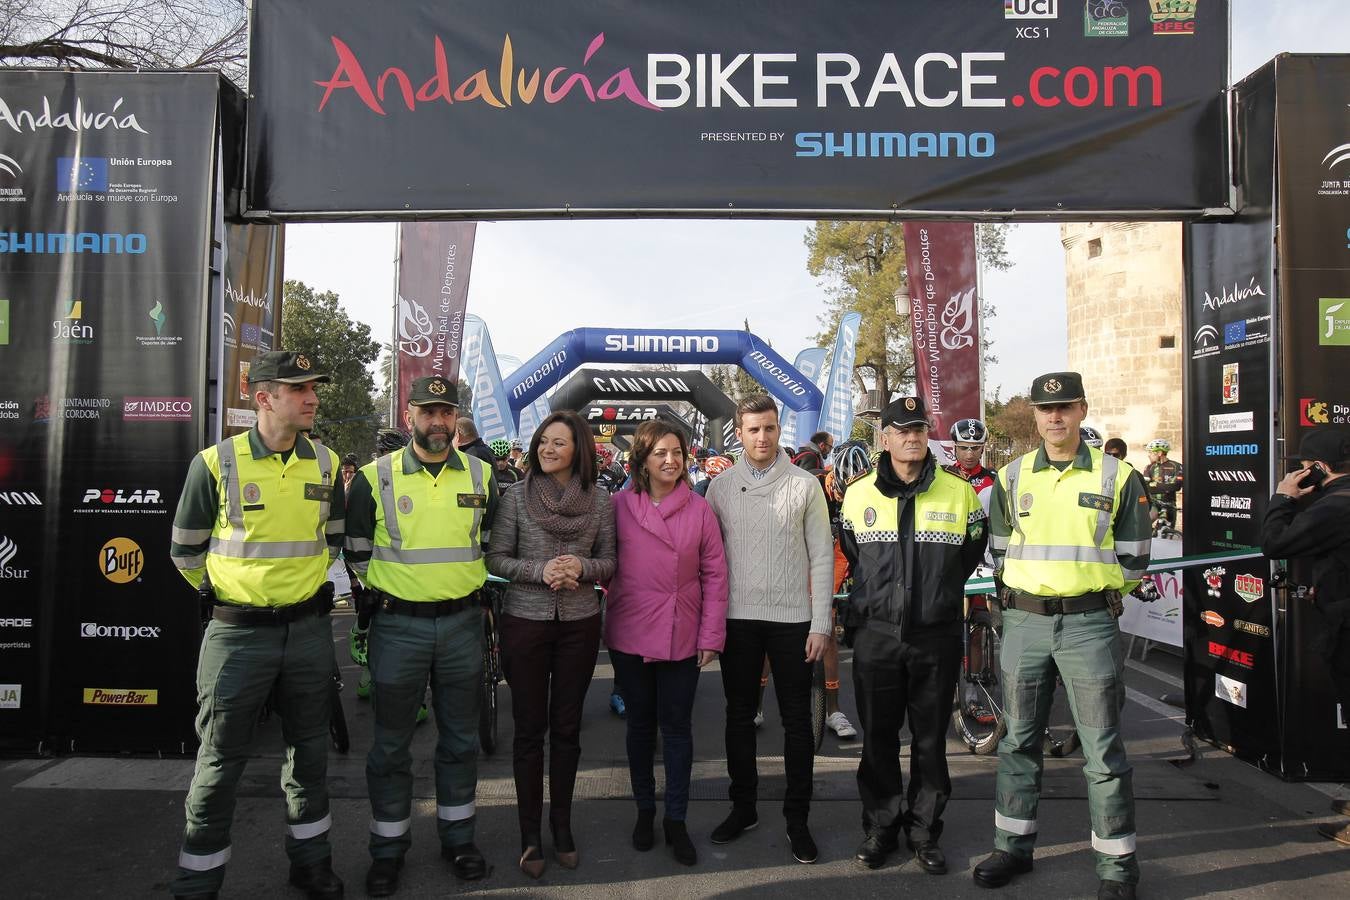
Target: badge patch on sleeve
[(1095, 501), (472, 501), (318, 492)]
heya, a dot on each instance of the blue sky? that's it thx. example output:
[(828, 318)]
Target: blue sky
[(531, 281)]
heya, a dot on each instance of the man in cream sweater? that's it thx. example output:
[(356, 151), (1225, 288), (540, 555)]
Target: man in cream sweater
[(780, 561)]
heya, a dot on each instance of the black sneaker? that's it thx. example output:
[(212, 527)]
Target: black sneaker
[(803, 846), (740, 820)]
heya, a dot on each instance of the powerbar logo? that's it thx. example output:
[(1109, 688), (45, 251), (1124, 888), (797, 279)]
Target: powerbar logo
[(661, 343), (777, 374), (110, 243), (124, 632), (120, 697)]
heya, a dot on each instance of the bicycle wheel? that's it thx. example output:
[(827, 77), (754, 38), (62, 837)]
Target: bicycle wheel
[(977, 713), (337, 719), (487, 705), (818, 703), (487, 717)]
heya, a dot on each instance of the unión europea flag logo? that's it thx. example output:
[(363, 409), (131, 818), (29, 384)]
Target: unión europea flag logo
[(82, 173)]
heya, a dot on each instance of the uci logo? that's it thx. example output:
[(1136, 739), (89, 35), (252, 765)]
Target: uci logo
[(121, 560)]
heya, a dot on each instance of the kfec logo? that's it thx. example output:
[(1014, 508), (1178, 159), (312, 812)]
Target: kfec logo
[(1333, 317)]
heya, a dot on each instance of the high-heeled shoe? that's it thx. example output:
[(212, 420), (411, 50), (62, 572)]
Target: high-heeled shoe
[(532, 858), (677, 839), (643, 838), (564, 846)]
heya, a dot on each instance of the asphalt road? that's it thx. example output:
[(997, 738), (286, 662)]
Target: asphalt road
[(1211, 827)]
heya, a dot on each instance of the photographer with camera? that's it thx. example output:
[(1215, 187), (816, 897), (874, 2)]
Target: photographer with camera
[(1309, 518)]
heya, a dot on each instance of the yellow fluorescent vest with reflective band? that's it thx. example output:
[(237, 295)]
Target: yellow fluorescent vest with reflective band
[(941, 514), (268, 544), (427, 544), (1062, 543)]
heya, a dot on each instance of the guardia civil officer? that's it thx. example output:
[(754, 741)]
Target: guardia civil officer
[(912, 532), (1069, 529), (258, 524), (418, 520)]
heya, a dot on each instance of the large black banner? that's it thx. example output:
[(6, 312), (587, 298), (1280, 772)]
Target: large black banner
[(689, 386), (1227, 611), (775, 107), (1314, 336), (104, 256)]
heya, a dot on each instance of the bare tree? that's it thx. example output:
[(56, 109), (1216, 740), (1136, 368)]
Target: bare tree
[(126, 34)]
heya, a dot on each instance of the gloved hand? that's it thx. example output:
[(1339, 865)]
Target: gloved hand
[(357, 645)]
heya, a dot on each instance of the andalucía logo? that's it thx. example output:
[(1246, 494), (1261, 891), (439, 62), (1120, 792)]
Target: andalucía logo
[(8, 550)]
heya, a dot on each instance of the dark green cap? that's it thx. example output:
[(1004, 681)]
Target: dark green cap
[(284, 366), (433, 389), (1057, 387)]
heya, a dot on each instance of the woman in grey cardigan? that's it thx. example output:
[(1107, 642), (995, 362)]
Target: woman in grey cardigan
[(553, 539)]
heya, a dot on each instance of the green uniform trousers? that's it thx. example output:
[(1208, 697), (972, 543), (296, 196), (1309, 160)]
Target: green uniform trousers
[(237, 668), (1085, 649), (404, 651)]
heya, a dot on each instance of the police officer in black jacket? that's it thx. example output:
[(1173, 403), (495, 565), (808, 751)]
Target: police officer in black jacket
[(1309, 518)]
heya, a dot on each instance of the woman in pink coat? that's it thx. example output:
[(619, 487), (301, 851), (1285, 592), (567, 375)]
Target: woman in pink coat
[(665, 620)]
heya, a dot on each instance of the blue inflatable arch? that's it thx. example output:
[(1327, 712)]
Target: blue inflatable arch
[(571, 349)]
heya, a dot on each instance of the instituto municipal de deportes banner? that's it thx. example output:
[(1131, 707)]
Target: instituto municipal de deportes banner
[(944, 319), (782, 107), (434, 259)]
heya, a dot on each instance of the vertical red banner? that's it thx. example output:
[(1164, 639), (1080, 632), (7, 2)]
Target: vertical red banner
[(433, 291), (944, 315)]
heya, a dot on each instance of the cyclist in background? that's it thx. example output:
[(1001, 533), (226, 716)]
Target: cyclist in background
[(969, 437), (501, 464), (1163, 477), (1117, 448)]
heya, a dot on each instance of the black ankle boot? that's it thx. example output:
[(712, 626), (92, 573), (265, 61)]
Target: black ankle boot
[(643, 838), (677, 839)]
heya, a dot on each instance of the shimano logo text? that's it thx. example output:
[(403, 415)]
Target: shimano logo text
[(661, 343)]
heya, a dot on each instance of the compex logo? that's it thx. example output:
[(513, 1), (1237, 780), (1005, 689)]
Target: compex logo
[(124, 632)]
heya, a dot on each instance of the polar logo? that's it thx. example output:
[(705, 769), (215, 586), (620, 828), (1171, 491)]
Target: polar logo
[(958, 317), (661, 343), (414, 329), (115, 496), (123, 632)]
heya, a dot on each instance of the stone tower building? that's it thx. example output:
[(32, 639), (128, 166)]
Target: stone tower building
[(1125, 292)]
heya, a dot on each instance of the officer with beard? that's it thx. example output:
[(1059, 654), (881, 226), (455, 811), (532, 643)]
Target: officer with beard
[(420, 518)]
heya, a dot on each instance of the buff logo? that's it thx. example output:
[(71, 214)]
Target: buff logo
[(121, 560), (661, 343)]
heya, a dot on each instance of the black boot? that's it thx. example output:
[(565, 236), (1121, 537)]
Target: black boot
[(382, 879), (677, 839), (317, 880), (643, 838), (1000, 867)]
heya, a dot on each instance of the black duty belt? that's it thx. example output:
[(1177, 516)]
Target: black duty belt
[(428, 609), (1056, 606), (319, 605)]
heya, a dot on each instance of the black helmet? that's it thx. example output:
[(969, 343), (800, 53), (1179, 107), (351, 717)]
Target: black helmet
[(969, 431), (1091, 436), (387, 440)]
